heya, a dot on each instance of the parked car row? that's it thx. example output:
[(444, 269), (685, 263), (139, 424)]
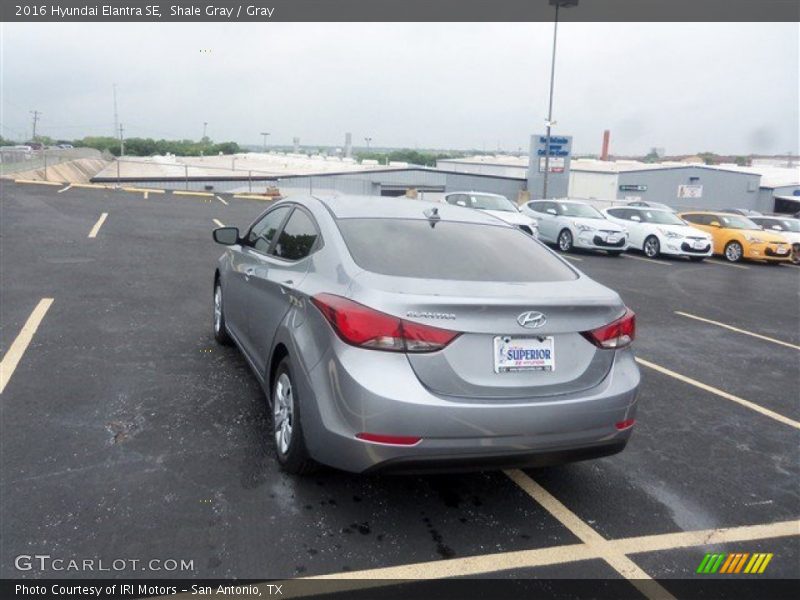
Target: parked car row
[(649, 227)]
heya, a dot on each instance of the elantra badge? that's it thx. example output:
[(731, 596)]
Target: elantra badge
[(531, 319)]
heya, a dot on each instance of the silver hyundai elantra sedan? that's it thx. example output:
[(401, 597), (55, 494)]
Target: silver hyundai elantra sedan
[(399, 335)]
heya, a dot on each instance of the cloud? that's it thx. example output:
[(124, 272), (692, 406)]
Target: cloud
[(727, 87)]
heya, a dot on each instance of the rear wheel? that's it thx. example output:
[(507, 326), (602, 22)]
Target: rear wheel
[(220, 328), (652, 247), (290, 445), (796, 254), (565, 242), (733, 251)]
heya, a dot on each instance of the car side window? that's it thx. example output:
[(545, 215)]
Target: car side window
[(537, 206), (619, 213), (298, 237), (693, 219), (263, 231)]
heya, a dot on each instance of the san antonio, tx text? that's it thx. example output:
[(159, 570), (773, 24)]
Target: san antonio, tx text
[(148, 590)]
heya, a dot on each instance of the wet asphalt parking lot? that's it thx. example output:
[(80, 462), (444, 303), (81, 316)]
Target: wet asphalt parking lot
[(126, 432)]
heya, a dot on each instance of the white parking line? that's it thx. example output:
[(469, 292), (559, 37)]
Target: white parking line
[(64, 189), (712, 261), (218, 223), (98, 225), (575, 258), (618, 561), (20, 344), (746, 403), (225, 202), (737, 330), (650, 260)]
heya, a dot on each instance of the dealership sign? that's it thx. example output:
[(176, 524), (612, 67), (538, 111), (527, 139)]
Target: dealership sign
[(559, 146), (555, 164), (690, 191)]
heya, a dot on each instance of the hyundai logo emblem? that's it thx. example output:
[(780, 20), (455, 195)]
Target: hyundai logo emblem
[(531, 319)]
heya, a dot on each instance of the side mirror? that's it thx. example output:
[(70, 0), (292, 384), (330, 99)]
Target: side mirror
[(227, 236), (551, 211), (715, 224), (636, 218)]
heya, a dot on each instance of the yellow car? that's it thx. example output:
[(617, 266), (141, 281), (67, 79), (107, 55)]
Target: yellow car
[(737, 237)]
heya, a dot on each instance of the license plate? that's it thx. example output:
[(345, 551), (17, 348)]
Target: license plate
[(781, 250), (699, 245), (612, 238), (524, 354)]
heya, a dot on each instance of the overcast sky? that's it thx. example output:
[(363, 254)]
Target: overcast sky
[(730, 88)]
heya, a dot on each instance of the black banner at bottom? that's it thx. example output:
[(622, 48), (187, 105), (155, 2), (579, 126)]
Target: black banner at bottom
[(364, 589)]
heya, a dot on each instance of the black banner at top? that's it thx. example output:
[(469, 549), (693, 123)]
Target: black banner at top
[(400, 10)]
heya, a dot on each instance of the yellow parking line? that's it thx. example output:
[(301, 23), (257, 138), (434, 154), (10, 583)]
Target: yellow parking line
[(36, 181), (706, 537), (64, 189), (98, 225), (218, 223), (500, 561), (618, 560), (20, 343), (712, 261), (746, 403), (650, 260), (202, 194), (225, 202), (575, 258), (146, 193), (93, 186), (140, 190), (736, 329), (254, 197)]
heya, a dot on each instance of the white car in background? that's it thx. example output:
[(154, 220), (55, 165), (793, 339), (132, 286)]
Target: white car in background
[(571, 224), (656, 231), (788, 227), (497, 206)]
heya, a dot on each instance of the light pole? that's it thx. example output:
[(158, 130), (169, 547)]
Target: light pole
[(265, 134), (205, 127), (558, 4), (368, 140)]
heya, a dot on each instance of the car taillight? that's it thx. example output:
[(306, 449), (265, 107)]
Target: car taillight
[(617, 334), (362, 326)]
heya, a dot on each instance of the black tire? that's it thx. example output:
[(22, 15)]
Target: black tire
[(564, 240), (733, 252), (795, 258), (651, 247), (219, 326), (697, 258), (614, 252), (292, 456)]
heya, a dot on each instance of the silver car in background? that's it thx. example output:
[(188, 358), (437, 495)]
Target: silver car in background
[(410, 336), (497, 206)]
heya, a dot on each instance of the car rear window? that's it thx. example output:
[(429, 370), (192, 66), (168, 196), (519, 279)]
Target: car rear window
[(449, 250)]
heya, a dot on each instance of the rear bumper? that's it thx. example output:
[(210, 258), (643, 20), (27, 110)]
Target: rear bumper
[(353, 390)]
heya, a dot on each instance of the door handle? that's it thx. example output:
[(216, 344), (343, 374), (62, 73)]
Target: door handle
[(248, 273), (286, 286)]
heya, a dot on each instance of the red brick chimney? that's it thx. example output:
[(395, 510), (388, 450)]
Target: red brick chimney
[(606, 138)]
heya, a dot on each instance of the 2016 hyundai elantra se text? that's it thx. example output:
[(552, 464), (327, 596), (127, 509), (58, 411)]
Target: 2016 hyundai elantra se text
[(406, 336)]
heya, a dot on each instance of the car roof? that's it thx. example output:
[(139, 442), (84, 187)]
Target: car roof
[(476, 192), (367, 207)]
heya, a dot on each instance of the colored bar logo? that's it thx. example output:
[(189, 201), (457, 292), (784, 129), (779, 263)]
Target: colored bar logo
[(735, 562)]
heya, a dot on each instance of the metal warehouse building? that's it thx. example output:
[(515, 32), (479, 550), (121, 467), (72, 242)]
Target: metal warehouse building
[(678, 184)]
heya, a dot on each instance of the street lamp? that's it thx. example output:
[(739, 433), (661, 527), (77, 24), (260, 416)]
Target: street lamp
[(558, 4), (265, 134), (368, 140)]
